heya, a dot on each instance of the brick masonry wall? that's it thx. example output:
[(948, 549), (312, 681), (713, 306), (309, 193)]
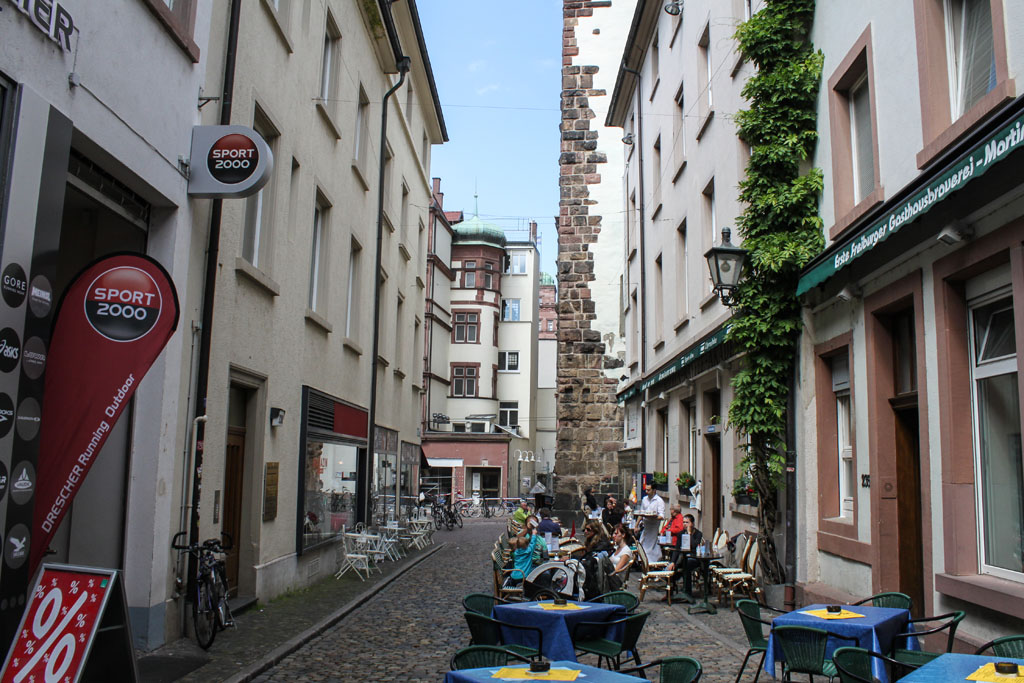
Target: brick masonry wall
[(589, 418)]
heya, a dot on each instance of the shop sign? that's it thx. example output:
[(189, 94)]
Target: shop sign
[(270, 475), (966, 168), (693, 353), (228, 161), (50, 17)]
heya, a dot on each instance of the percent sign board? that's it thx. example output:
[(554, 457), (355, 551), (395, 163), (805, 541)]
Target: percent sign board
[(59, 625)]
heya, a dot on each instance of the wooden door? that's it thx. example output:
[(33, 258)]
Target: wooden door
[(714, 491), (234, 471), (908, 506)]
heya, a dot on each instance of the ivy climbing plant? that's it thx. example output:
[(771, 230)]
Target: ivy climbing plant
[(782, 231)]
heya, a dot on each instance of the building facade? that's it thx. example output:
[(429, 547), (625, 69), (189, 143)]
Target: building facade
[(910, 384), (679, 83)]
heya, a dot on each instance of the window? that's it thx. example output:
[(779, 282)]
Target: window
[(704, 72), (508, 361), (316, 257), (467, 328), (517, 263), (970, 53), (329, 64), (399, 329), (408, 101), (177, 16), (861, 140), (353, 295), (748, 9), (679, 129), (510, 310), (659, 297), (693, 442), (711, 231), (904, 353), (389, 166), (464, 381), (655, 65), (329, 497), (551, 326), (259, 208), (682, 308), (508, 413), (488, 275), (425, 151), (844, 432), (997, 434), (469, 274), (362, 133), (403, 229)]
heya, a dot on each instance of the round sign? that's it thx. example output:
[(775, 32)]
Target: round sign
[(34, 358), (13, 285), (16, 548), (23, 482), (27, 419), (233, 158), (10, 349), (40, 296), (3, 480), (6, 414), (123, 304)]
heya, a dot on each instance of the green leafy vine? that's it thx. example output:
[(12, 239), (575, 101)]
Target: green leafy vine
[(782, 231)]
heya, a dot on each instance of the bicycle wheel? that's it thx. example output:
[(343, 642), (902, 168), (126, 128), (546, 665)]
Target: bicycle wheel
[(438, 520), (458, 518), (224, 618), (204, 617), (498, 510), (449, 519)]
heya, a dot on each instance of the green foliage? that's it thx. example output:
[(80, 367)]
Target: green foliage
[(781, 230), (660, 477), (685, 479)]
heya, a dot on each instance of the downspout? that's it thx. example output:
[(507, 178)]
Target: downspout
[(789, 596), (639, 143), (403, 68), (209, 290)]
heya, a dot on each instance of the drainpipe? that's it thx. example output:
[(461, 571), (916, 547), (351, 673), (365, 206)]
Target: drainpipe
[(790, 533), (209, 289), (403, 69), (639, 143)]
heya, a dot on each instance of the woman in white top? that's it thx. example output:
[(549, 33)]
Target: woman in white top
[(622, 558)]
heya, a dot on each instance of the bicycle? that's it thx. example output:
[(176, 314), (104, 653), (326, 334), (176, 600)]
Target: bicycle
[(452, 516), (210, 610)]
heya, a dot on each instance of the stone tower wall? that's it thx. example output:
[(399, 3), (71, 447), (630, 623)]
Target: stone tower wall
[(589, 418)]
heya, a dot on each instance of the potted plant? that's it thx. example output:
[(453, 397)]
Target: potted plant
[(683, 482), (660, 481), (743, 490)]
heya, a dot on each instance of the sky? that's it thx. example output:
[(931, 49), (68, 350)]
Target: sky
[(498, 72)]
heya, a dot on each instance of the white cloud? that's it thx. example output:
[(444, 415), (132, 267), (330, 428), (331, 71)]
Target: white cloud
[(475, 66), (486, 89)]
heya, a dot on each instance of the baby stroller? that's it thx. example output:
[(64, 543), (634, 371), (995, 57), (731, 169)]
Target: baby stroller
[(564, 579)]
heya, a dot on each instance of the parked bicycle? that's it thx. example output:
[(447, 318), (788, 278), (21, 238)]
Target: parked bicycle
[(210, 611), (446, 515)]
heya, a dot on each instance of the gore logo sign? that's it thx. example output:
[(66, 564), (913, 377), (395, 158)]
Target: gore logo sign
[(123, 304), (233, 158)]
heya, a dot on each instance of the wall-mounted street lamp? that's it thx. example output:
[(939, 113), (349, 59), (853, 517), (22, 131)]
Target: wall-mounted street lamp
[(674, 8), (627, 139), (726, 264)]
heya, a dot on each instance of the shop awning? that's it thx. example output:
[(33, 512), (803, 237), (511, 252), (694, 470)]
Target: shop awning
[(687, 357), (918, 199), (444, 462)]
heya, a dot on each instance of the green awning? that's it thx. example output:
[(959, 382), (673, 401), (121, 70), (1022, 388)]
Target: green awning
[(678, 363), (970, 165)]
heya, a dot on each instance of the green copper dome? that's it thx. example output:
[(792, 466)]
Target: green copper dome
[(547, 279), (474, 230)]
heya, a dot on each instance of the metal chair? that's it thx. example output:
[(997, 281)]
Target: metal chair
[(890, 599), (673, 670), (854, 665), (624, 598), (1007, 646), (486, 631), (922, 657), (481, 603), (750, 617), (478, 656), (804, 650), (586, 640)]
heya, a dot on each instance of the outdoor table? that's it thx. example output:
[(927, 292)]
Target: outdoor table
[(555, 624), (874, 631), (955, 667), (705, 568), (587, 674)]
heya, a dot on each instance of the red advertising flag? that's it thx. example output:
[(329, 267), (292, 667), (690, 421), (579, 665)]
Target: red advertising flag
[(111, 324), (59, 625)]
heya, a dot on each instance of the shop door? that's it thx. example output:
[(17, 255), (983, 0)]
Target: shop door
[(234, 477), (714, 491), (908, 501)]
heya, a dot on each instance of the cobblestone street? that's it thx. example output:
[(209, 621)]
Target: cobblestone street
[(409, 631)]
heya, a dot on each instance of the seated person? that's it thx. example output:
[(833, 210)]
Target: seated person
[(622, 558), (522, 512), (595, 539), (548, 525), (612, 513), (524, 549), (675, 523), (677, 566)]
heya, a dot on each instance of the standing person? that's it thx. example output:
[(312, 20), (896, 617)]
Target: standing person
[(521, 513), (612, 513), (653, 508), (682, 567), (588, 499)]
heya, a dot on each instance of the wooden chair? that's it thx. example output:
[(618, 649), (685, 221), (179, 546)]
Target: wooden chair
[(505, 587), (744, 582), (651, 574), (718, 571)]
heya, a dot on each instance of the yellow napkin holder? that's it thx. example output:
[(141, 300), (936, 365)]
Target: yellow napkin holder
[(825, 614), (552, 606), (524, 674), (988, 674)]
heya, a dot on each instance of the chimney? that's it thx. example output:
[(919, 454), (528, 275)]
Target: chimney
[(436, 191), (533, 232)]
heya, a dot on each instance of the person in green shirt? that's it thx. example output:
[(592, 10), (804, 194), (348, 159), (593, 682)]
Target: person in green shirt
[(521, 513)]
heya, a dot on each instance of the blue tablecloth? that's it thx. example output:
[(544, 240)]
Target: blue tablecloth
[(589, 674), (953, 667), (556, 625), (874, 631)]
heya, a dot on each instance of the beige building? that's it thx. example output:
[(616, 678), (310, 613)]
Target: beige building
[(678, 85), (288, 462)]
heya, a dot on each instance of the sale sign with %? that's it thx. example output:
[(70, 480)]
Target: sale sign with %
[(58, 626)]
